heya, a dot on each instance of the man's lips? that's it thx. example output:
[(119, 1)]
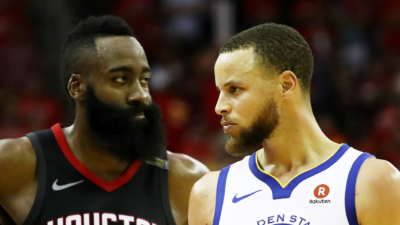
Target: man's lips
[(139, 115), (227, 126)]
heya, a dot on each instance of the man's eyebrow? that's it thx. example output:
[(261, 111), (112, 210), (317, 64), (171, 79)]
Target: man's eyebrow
[(146, 70), (121, 69), (128, 69), (232, 83)]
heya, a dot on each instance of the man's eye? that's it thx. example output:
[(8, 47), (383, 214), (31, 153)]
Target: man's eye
[(121, 79), (234, 89), (146, 80)]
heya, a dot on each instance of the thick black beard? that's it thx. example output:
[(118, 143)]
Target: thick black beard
[(120, 133), (250, 139)]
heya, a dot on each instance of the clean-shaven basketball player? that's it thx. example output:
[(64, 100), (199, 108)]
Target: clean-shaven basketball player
[(299, 176), (109, 167)]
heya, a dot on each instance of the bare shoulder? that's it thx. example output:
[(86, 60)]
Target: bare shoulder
[(202, 200), (185, 167), (17, 164), (378, 193), (206, 184), (204, 190), (184, 171), (15, 154), (15, 144)]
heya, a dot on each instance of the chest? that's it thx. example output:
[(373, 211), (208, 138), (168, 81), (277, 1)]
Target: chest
[(324, 194), (69, 194), (315, 201)]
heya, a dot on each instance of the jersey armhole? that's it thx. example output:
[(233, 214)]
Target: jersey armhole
[(350, 203), (41, 180), (165, 191), (219, 201)]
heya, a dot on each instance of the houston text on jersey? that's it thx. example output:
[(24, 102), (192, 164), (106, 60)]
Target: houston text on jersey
[(99, 219)]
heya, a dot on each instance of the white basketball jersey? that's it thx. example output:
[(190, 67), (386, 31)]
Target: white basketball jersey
[(323, 195)]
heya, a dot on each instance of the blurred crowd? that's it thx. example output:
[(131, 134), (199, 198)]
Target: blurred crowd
[(355, 88)]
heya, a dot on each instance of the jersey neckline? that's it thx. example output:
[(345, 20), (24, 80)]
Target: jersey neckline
[(108, 186), (280, 191)]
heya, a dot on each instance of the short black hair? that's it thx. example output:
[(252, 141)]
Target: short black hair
[(278, 46), (80, 43)]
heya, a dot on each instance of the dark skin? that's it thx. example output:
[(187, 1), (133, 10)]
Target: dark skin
[(119, 75)]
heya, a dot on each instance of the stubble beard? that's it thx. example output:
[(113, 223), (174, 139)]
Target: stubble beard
[(250, 139)]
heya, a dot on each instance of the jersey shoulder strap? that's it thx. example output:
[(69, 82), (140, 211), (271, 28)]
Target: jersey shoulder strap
[(163, 164), (41, 175)]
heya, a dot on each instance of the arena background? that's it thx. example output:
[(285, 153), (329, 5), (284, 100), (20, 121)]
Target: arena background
[(355, 88)]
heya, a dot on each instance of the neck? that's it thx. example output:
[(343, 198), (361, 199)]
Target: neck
[(297, 144), (85, 147)]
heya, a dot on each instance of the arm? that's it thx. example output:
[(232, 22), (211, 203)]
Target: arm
[(202, 200), (184, 171), (378, 193), (17, 178)]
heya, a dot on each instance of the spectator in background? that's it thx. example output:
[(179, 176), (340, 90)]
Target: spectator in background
[(185, 22), (355, 44)]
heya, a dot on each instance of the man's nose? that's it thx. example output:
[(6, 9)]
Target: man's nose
[(222, 108), (138, 93)]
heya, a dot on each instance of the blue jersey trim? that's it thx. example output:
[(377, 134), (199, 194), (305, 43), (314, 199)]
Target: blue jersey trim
[(220, 194), (279, 192), (350, 200)]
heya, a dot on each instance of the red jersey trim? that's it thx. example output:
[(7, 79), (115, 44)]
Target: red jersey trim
[(106, 185)]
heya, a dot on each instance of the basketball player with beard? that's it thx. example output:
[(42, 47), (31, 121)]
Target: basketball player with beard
[(298, 176), (109, 167)]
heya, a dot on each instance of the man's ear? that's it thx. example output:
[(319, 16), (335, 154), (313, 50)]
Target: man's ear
[(77, 87), (289, 82)]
